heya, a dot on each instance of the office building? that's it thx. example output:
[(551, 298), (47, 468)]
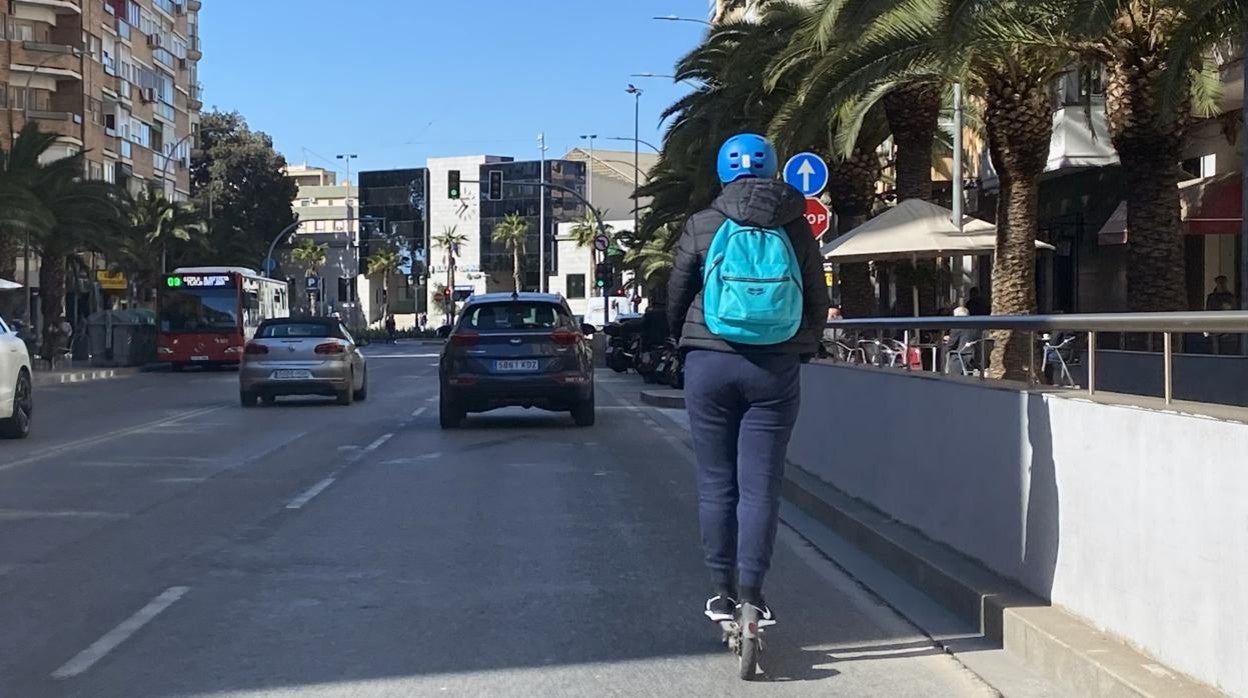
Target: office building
[(392, 214), (521, 195)]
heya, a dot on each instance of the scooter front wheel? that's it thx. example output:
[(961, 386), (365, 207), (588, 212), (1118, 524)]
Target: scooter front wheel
[(747, 667)]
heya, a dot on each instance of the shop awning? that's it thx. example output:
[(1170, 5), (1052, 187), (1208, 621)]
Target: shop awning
[(1213, 205), (1209, 206), (915, 229), (6, 285)]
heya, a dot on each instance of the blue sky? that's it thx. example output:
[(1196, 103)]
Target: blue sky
[(396, 81)]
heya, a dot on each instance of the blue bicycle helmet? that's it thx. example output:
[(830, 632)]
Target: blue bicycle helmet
[(746, 155)]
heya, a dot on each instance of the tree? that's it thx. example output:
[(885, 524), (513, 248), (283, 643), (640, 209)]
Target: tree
[(945, 41), (246, 194), (386, 263), (513, 234), (64, 214), (311, 257), (1158, 71), (583, 234), (154, 230), (450, 240)]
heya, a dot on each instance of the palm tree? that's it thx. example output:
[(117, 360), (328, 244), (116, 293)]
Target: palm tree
[(450, 240), (944, 41), (734, 97), (513, 234), (584, 233), (1158, 69), (153, 223), (386, 263), (312, 257), (63, 213)]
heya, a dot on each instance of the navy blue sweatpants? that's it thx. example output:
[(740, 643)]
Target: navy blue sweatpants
[(741, 411)]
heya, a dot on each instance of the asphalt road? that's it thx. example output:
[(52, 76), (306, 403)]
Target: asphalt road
[(158, 540)]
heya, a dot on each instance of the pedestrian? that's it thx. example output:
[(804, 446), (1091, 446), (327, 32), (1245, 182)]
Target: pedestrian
[(976, 304), (390, 329), (963, 342), (424, 322), (745, 343), (1221, 298)]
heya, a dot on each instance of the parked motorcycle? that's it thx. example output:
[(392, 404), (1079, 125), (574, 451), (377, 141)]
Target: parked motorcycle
[(671, 366), (622, 343)]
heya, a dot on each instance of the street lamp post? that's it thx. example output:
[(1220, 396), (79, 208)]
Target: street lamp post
[(348, 157), (636, 93), (665, 77), (268, 258), (589, 179), (541, 220), (164, 176), (648, 144)]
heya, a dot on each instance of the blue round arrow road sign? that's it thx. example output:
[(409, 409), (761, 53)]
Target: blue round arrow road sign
[(808, 172)]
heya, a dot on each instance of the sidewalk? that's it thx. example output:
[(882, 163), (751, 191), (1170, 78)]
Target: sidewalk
[(1050, 642)]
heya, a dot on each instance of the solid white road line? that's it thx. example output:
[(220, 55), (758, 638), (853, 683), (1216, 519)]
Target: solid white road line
[(298, 502), (88, 657)]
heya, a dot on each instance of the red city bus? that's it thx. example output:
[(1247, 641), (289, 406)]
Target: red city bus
[(207, 314)]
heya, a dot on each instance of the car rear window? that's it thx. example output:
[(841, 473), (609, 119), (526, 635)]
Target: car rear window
[(517, 315), (298, 330)]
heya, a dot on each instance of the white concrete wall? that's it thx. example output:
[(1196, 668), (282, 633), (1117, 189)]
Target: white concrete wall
[(1135, 520), (464, 214)]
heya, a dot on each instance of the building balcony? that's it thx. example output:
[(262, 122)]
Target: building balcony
[(60, 7), (193, 50), (194, 5), (62, 123), (53, 60), (195, 98)]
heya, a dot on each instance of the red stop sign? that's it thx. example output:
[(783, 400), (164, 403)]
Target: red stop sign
[(818, 216)]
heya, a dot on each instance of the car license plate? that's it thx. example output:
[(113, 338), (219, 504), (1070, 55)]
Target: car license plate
[(199, 358), (514, 366), (291, 375)]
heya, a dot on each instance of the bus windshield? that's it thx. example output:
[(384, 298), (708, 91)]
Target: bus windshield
[(199, 310)]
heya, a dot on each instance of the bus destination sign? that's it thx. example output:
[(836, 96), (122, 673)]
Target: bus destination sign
[(199, 281)]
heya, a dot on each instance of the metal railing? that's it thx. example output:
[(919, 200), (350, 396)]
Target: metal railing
[(1091, 325)]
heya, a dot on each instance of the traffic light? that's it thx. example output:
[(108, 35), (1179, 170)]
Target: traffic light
[(602, 274), (452, 184), (495, 189)]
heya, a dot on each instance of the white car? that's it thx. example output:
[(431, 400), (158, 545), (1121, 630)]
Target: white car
[(16, 393)]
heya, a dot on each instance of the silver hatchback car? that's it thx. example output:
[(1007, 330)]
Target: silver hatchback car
[(302, 356)]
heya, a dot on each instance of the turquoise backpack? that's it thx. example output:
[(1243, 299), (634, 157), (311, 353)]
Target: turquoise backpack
[(752, 286)]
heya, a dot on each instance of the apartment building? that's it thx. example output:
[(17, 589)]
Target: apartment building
[(117, 78)]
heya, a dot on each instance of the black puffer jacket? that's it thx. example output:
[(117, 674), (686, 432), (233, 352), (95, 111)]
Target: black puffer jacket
[(761, 203)]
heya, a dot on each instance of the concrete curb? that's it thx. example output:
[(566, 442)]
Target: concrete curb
[(666, 399), (1050, 641)]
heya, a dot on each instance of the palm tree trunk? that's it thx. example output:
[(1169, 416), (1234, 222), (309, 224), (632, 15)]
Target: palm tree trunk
[(515, 268), (52, 302), (913, 111), (851, 188), (8, 270), (1019, 121), (1149, 142)]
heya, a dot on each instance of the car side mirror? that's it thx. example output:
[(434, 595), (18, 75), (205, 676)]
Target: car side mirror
[(444, 332), (588, 330)]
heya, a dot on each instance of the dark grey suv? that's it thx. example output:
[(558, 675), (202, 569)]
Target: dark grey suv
[(517, 350)]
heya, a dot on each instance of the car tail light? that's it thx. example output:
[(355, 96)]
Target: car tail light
[(253, 349), (564, 337), (466, 339), (330, 348)]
